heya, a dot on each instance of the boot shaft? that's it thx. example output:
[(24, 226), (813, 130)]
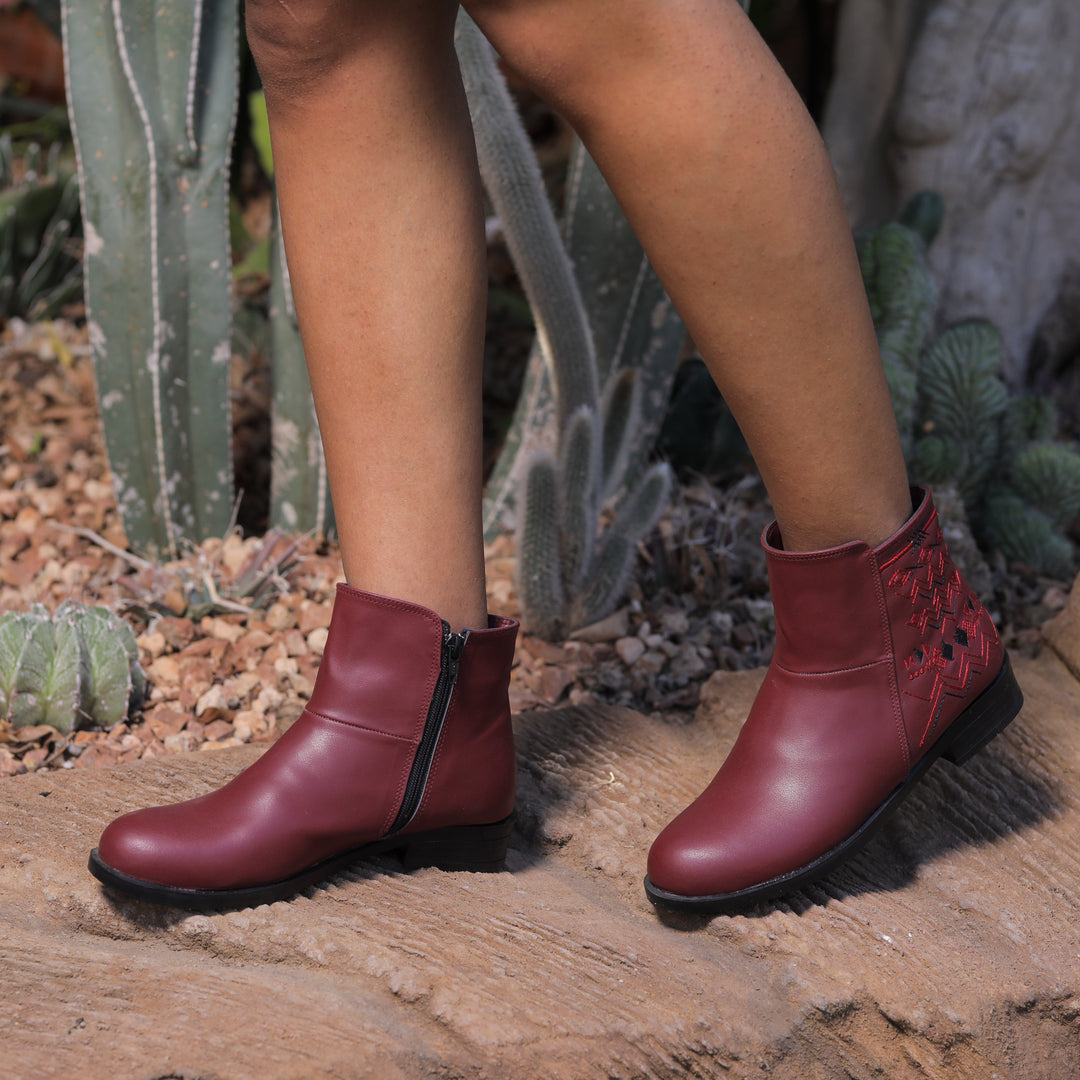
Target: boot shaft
[(853, 605)]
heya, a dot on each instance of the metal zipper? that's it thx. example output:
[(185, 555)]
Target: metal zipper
[(449, 662)]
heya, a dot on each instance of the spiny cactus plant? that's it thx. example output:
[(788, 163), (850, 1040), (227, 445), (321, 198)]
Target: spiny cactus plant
[(570, 573), (76, 668), (40, 234), (598, 305), (601, 369), (152, 101), (960, 428)]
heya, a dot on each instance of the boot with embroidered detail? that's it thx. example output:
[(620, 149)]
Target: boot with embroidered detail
[(885, 660)]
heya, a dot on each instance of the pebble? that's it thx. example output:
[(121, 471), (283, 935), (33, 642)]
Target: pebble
[(630, 650), (615, 626), (212, 704), (155, 643), (280, 616)]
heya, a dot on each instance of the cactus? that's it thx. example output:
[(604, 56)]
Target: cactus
[(571, 574), (960, 428), (76, 668), (902, 298), (152, 100), (1047, 475), (598, 305), (599, 378), (40, 235), (299, 488)]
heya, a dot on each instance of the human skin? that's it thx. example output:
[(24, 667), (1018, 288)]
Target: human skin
[(719, 170)]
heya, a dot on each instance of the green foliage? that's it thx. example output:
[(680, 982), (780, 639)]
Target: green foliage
[(1047, 475), (902, 298), (40, 234), (959, 426), (1024, 534), (962, 399), (260, 131), (76, 668)]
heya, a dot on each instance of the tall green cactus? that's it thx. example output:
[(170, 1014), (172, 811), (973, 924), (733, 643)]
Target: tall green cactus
[(152, 101), (607, 343), (76, 668), (960, 428), (299, 488), (598, 305)]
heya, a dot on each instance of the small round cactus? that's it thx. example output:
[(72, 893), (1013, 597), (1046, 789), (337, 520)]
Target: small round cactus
[(76, 668)]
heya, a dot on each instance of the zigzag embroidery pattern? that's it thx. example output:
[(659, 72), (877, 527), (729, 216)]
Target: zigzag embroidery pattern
[(935, 590)]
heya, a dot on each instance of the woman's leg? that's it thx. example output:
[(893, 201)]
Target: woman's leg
[(405, 743), (726, 182), (383, 222), (884, 658)]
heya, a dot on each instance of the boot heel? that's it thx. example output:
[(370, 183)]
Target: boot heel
[(479, 848), (987, 717)]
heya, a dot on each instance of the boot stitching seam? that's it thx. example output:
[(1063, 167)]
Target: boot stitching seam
[(894, 683), (359, 727)]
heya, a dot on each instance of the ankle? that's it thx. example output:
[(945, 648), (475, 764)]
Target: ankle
[(872, 524)]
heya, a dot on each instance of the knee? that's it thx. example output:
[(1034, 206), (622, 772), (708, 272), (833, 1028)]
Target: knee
[(544, 42), (294, 44), (299, 44)]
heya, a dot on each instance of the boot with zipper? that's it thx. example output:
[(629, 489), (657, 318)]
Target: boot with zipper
[(404, 746), (885, 660)]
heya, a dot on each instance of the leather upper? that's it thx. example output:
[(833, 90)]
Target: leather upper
[(336, 778), (877, 651)]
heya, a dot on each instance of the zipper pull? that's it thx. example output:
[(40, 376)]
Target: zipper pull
[(455, 645)]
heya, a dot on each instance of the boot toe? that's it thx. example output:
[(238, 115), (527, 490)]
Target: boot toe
[(137, 846), (692, 859)]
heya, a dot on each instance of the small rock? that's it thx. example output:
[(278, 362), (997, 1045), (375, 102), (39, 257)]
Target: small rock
[(280, 617), (1054, 599), (674, 623), (630, 650), (175, 601), (218, 729), (313, 616), (652, 663), (178, 633), (222, 629), (180, 743), (155, 643), (615, 626), (316, 640), (295, 644), (213, 704), (553, 683), (164, 720), (164, 670)]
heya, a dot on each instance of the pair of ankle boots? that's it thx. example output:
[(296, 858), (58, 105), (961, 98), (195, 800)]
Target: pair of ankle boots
[(885, 660)]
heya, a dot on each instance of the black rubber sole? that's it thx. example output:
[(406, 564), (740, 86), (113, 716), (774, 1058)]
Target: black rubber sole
[(995, 708), (477, 848)]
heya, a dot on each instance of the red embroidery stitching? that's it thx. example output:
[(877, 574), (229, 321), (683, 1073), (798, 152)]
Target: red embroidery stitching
[(938, 595)]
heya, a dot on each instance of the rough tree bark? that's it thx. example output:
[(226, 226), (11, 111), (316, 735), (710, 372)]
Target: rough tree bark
[(979, 100)]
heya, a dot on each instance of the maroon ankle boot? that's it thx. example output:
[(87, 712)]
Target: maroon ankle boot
[(885, 661), (404, 746)]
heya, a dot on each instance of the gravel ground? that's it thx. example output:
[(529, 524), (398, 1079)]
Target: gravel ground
[(231, 634)]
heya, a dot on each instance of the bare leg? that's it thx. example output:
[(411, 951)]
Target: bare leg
[(383, 221), (727, 184)]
